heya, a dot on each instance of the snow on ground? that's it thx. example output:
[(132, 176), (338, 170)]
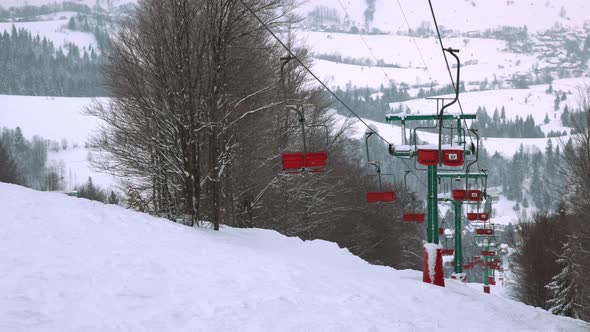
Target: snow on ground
[(461, 14), (481, 58), (51, 117), (54, 31), (522, 102), (81, 265), (91, 3), (77, 168), (57, 118), (503, 212)]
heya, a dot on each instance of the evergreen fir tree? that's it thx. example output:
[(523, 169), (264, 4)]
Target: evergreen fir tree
[(565, 286)]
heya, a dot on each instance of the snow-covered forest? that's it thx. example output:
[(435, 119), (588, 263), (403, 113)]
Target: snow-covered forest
[(201, 103)]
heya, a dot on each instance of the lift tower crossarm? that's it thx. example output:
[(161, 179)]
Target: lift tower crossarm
[(463, 175), (419, 117)]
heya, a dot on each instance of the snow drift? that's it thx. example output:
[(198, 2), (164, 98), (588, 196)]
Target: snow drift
[(69, 264)]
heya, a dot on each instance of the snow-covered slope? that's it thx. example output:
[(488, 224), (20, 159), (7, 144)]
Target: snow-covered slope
[(75, 265), (57, 119), (20, 3), (420, 63), (465, 15)]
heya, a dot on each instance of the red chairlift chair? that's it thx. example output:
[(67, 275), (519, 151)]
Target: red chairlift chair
[(453, 158), (427, 157), (377, 196), (380, 197), (416, 214), (483, 216), (474, 195), (459, 194)]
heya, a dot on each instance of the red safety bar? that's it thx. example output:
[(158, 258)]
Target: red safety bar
[(316, 159), (383, 197), (453, 158), (294, 162), (428, 157), (414, 217), (459, 194)]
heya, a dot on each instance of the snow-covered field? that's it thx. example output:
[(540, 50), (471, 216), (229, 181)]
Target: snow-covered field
[(78, 265), (482, 59), (20, 3), (55, 31), (57, 118), (517, 102), (464, 15)]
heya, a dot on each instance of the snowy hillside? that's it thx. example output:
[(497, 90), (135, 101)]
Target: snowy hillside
[(465, 15), (482, 59), (81, 265), (54, 28), (57, 119), (19, 3)]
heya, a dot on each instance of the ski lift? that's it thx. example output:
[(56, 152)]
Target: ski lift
[(474, 195), (452, 157), (298, 162), (416, 214), (377, 196), (427, 157), (484, 231), (459, 194)]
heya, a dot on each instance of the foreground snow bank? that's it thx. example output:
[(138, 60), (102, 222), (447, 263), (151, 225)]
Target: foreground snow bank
[(69, 264)]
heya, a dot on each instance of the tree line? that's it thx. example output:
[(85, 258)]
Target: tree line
[(498, 126), (33, 66), (552, 260)]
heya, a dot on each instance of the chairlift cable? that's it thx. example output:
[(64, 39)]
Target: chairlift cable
[(269, 30), (364, 42), (308, 70), (411, 32), (447, 64)]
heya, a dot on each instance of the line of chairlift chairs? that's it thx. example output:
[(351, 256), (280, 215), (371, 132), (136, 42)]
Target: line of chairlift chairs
[(316, 161)]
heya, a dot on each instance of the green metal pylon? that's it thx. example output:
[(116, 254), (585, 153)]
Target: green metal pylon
[(486, 282), (432, 202), (458, 237)]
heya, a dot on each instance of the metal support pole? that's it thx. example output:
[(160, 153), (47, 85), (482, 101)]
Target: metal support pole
[(486, 282), (458, 237), (432, 234)]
